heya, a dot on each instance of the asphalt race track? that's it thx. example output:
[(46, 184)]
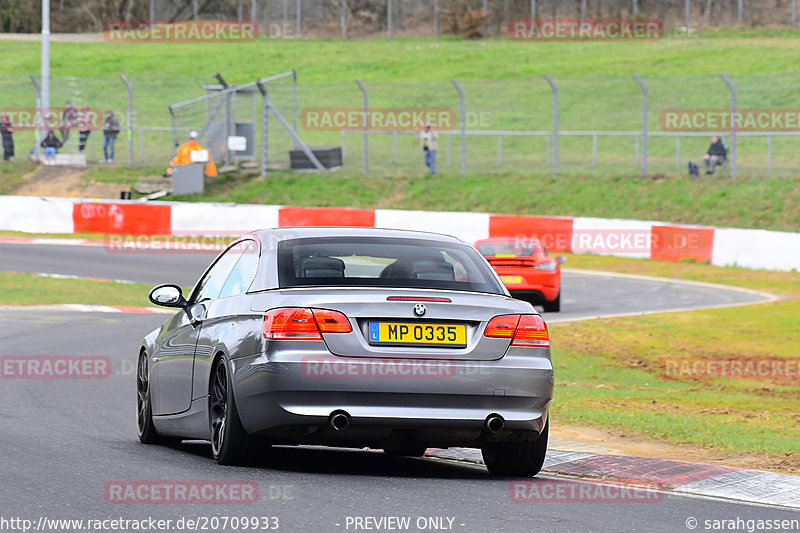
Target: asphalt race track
[(584, 294), (64, 440)]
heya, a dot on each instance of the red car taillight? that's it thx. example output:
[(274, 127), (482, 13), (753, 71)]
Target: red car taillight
[(297, 323), (502, 327), (524, 330), (331, 321), (531, 331)]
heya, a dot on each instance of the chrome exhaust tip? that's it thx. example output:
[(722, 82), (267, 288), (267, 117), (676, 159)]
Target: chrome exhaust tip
[(495, 424), (339, 420)]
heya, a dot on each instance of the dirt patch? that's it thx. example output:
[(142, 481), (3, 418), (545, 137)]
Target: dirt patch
[(637, 445), (66, 182)]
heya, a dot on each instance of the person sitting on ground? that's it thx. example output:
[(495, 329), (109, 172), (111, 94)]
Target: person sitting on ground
[(184, 157), (716, 155), (7, 132), (51, 144)]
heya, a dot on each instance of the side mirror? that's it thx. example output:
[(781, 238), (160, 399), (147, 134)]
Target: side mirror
[(168, 295), (561, 259)]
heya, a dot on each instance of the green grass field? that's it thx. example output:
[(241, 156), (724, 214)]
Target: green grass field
[(610, 372), (501, 78)]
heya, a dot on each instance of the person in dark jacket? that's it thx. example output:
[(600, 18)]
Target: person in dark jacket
[(84, 127), (51, 144), (69, 120), (715, 155), (7, 131), (110, 132)]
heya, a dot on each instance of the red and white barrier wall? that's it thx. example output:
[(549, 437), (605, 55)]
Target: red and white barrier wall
[(757, 249)]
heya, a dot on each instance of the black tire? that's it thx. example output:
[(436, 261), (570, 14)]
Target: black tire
[(407, 451), (554, 306), (144, 408), (229, 443), (517, 459)]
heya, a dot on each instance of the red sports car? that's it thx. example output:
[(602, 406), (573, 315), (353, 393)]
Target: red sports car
[(527, 270)]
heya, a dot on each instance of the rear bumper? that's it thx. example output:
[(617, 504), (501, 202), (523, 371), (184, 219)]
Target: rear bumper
[(441, 402), (541, 284)]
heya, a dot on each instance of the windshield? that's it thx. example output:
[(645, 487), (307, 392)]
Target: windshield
[(383, 262), (494, 249)]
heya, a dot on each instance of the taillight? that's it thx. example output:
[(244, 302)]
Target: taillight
[(502, 327), (331, 321), (298, 323), (293, 323), (550, 265), (524, 330), (531, 331)]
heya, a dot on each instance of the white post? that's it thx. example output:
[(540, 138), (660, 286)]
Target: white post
[(45, 54)]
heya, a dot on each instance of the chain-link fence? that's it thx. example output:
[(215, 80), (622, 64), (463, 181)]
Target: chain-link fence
[(602, 124)]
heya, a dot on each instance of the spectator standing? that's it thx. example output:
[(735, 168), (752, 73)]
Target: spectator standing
[(84, 127), (69, 120), (716, 155), (7, 131), (428, 141), (51, 144), (110, 132)]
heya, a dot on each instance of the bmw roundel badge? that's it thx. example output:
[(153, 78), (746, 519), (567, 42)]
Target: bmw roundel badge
[(419, 309)]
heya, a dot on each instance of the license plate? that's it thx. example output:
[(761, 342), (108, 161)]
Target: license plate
[(451, 335), (511, 280)]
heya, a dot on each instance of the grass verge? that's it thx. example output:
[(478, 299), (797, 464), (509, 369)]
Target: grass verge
[(30, 289), (766, 203), (611, 373)]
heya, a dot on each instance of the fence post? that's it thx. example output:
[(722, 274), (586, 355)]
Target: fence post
[(688, 14), (555, 121), (485, 18), (769, 153), (284, 17), (389, 19), (499, 150), (533, 10), (364, 124), (678, 152), (794, 13), (594, 150), (644, 122), (174, 125), (740, 13), (344, 19), (436, 19), (394, 146), (294, 79), (732, 87), (298, 19), (583, 9), (38, 109), (463, 123), (264, 128), (130, 118), (635, 7)]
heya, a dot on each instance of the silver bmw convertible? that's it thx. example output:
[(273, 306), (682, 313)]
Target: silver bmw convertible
[(349, 337)]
